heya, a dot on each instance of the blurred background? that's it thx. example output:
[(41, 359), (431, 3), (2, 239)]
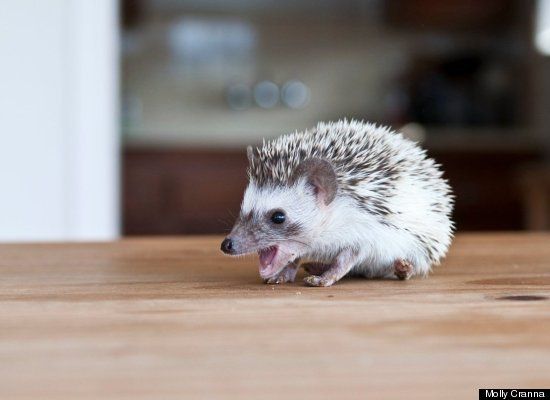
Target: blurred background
[(132, 117)]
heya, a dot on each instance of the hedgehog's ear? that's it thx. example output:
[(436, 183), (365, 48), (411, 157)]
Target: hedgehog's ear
[(249, 153), (320, 175)]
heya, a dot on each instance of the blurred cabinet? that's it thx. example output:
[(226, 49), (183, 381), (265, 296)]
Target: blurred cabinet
[(191, 191), (181, 192), (535, 184), (488, 194)]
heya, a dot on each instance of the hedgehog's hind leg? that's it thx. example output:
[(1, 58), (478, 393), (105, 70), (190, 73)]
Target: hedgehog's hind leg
[(403, 269)]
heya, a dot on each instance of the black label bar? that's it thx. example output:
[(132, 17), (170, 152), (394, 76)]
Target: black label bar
[(514, 394)]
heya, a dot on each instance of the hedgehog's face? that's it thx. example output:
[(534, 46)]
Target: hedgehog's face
[(281, 222)]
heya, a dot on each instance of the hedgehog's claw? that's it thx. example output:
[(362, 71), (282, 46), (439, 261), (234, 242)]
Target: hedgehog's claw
[(318, 281)]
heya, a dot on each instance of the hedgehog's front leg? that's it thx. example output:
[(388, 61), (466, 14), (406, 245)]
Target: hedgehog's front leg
[(288, 274), (343, 263)]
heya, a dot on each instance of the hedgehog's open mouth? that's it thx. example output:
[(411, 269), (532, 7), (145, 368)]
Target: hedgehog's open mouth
[(269, 265)]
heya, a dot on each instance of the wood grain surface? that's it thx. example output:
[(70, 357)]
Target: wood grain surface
[(172, 318)]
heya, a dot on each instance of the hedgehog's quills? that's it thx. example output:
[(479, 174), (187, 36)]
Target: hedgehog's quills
[(343, 197)]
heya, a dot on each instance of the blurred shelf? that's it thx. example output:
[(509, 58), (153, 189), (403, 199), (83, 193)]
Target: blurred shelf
[(481, 140), (167, 140), (438, 139)]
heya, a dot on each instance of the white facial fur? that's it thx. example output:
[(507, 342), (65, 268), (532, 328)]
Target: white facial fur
[(298, 202), (255, 231)]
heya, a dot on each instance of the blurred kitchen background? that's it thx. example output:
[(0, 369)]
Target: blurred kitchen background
[(144, 107)]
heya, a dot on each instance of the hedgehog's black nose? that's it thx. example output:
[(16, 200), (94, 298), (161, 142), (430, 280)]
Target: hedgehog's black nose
[(227, 246)]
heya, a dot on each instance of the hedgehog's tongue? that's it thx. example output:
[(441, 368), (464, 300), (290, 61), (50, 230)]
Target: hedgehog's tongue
[(267, 266)]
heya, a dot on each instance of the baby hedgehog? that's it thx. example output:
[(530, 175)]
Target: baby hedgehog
[(341, 198)]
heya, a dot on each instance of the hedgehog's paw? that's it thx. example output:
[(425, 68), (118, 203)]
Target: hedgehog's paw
[(318, 281), (288, 274), (278, 279), (403, 269)]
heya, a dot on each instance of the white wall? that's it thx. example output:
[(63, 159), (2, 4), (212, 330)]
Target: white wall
[(58, 120)]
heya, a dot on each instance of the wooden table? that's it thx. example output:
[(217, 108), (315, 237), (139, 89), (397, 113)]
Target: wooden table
[(174, 319)]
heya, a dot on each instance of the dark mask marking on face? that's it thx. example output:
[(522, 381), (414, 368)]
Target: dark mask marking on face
[(293, 229)]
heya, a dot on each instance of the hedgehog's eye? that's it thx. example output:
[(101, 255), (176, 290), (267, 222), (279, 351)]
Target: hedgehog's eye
[(278, 217)]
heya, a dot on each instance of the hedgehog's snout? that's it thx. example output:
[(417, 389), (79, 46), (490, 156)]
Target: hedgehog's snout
[(227, 246)]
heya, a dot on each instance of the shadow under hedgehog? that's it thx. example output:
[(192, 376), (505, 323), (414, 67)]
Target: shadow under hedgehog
[(343, 197)]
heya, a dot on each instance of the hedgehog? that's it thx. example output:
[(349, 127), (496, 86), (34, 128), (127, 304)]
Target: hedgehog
[(343, 198)]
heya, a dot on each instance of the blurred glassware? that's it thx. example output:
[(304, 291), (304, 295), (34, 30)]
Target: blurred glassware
[(211, 43), (266, 94), (295, 94), (413, 131)]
